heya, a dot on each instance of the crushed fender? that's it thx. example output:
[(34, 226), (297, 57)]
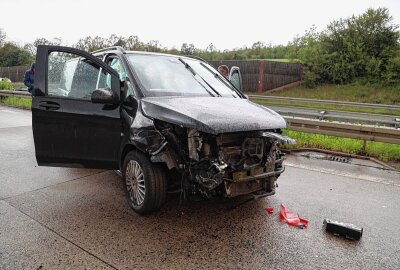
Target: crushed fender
[(292, 218)]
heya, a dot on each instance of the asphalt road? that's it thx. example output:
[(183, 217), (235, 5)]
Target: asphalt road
[(60, 218)]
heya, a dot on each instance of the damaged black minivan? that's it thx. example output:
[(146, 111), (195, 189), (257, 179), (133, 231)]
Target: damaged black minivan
[(167, 122)]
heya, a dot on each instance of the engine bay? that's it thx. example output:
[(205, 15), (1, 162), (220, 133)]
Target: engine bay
[(229, 164)]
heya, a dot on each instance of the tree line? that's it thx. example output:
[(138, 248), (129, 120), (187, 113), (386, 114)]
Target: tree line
[(13, 54), (363, 48)]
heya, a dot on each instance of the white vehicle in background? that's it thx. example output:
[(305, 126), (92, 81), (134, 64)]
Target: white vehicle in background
[(5, 79)]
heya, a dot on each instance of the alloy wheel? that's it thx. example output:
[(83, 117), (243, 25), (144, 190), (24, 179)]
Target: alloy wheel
[(135, 182)]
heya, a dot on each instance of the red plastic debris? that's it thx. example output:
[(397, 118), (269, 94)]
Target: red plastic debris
[(303, 222), (292, 218), (270, 210)]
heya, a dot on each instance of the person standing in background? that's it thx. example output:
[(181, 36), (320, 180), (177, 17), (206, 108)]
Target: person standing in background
[(224, 70), (29, 78)]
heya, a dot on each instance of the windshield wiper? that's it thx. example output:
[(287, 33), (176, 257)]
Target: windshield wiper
[(187, 66), (216, 75)]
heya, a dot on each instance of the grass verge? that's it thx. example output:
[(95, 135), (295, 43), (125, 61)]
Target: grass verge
[(381, 151), (24, 103)]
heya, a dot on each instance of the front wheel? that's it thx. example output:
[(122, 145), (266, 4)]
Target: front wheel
[(145, 183)]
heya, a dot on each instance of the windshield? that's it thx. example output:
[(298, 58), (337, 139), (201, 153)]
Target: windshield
[(172, 76)]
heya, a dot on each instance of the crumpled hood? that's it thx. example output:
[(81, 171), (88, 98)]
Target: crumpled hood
[(214, 115)]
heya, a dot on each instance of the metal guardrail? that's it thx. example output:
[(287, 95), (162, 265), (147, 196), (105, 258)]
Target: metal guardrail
[(330, 102), (314, 123), (18, 93), (340, 116), (347, 130)]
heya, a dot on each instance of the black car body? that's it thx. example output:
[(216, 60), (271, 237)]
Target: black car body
[(167, 122)]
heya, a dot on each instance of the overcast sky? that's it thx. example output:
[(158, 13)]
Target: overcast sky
[(227, 24)]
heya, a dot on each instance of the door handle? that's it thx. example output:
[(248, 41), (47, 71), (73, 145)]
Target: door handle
[(49, 105)]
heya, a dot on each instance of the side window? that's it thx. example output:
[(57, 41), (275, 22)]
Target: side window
[(119, 67), (116, 64), (72, 76), (104, 81)]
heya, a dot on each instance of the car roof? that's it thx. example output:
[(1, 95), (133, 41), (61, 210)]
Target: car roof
[(119, 52)]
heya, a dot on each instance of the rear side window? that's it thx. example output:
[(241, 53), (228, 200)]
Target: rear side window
[(72, 76), (116, 64)]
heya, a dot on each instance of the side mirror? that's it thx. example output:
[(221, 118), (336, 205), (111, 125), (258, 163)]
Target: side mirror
[(104, 96), (131, 103), (235, 77)]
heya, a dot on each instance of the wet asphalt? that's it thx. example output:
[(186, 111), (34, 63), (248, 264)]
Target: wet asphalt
[(60, 218)]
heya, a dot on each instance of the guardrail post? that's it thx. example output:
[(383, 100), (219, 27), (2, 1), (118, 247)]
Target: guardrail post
[(364, 147), (260, 76)]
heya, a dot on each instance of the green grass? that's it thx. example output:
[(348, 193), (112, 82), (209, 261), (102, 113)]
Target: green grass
[(24, 103), (326, 107), (6, 86), (381, 151), (19, 85), (351, 92)]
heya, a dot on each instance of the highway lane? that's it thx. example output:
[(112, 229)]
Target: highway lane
[(60, 218)]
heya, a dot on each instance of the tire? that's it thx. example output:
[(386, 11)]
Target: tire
[(144, 183)]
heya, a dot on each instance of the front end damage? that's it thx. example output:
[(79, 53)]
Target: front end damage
[(228, 164)]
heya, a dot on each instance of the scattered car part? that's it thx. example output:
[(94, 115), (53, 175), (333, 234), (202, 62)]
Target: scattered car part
[(347, 230), (269, 210), (292, 218)]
